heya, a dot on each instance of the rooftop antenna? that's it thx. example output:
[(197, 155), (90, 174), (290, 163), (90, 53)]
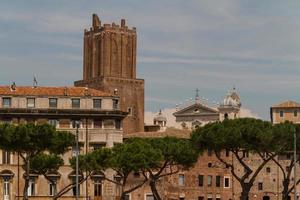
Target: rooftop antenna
[(35, 83), (197, 95)]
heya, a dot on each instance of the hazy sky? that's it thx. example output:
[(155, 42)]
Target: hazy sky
[(182, 45)]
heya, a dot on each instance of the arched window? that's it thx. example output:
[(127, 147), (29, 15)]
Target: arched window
[(226, 116)]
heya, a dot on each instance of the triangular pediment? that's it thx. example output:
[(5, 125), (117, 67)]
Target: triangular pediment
[(196, 109)]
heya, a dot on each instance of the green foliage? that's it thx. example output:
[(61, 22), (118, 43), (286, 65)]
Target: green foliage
[(134, 155), (33, 139), (176, 151), (97, 160), (244, 133), (45, 163)]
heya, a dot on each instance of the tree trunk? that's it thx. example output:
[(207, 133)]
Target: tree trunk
[(285, 190), (154, 190), (245, 191), (122, 197), (25, 191)]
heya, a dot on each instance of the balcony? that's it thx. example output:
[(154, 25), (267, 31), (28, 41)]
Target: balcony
[(98, 135)]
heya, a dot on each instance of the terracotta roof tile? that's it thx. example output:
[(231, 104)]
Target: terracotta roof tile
[(52, 91), (287, 104)]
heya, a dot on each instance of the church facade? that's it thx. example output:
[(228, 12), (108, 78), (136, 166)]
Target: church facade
[(199, 113)]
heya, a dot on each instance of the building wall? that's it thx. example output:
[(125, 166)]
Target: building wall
[(288, 115), (90, 136)]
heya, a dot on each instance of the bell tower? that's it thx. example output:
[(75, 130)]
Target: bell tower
[(109, 64)]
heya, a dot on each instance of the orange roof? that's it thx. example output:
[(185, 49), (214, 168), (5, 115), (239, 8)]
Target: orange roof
[(287, 104), (52, 91)]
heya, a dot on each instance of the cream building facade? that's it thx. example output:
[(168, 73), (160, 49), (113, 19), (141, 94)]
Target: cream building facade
[(100, 120)]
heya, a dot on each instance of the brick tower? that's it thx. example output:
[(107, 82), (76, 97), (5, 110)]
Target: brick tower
[(109, 64)]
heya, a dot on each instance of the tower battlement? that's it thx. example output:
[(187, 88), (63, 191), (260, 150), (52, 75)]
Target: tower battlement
[(98, 27), (109, 64)]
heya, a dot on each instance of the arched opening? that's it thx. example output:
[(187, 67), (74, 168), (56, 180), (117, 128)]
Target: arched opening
[(266, 198), (226, 116)]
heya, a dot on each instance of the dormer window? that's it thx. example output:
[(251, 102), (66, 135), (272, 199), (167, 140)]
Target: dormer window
[(30, 102), (97, 103), (53, 103), (75, 103), (6, 102), (115, 104)]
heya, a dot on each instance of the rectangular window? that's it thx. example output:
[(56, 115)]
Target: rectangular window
[(31, 188), (97, 123), (52, 102), (53, 122), (76, 123), (295, 113), (281, 113), (74, 190), (218, 181), (98, 188), (5, 157), (6, 102), (109, 124), (260, 186), (115, 104), (201, 198), (97, 103), (127, 197), (6, 188), (181, 180), (98, 146), (149, 197), (75, 103), (201, 180), (268, 169), (226, 182), (52, 189), (118, 124), (30, 102), (181, 198), (209, 180)]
